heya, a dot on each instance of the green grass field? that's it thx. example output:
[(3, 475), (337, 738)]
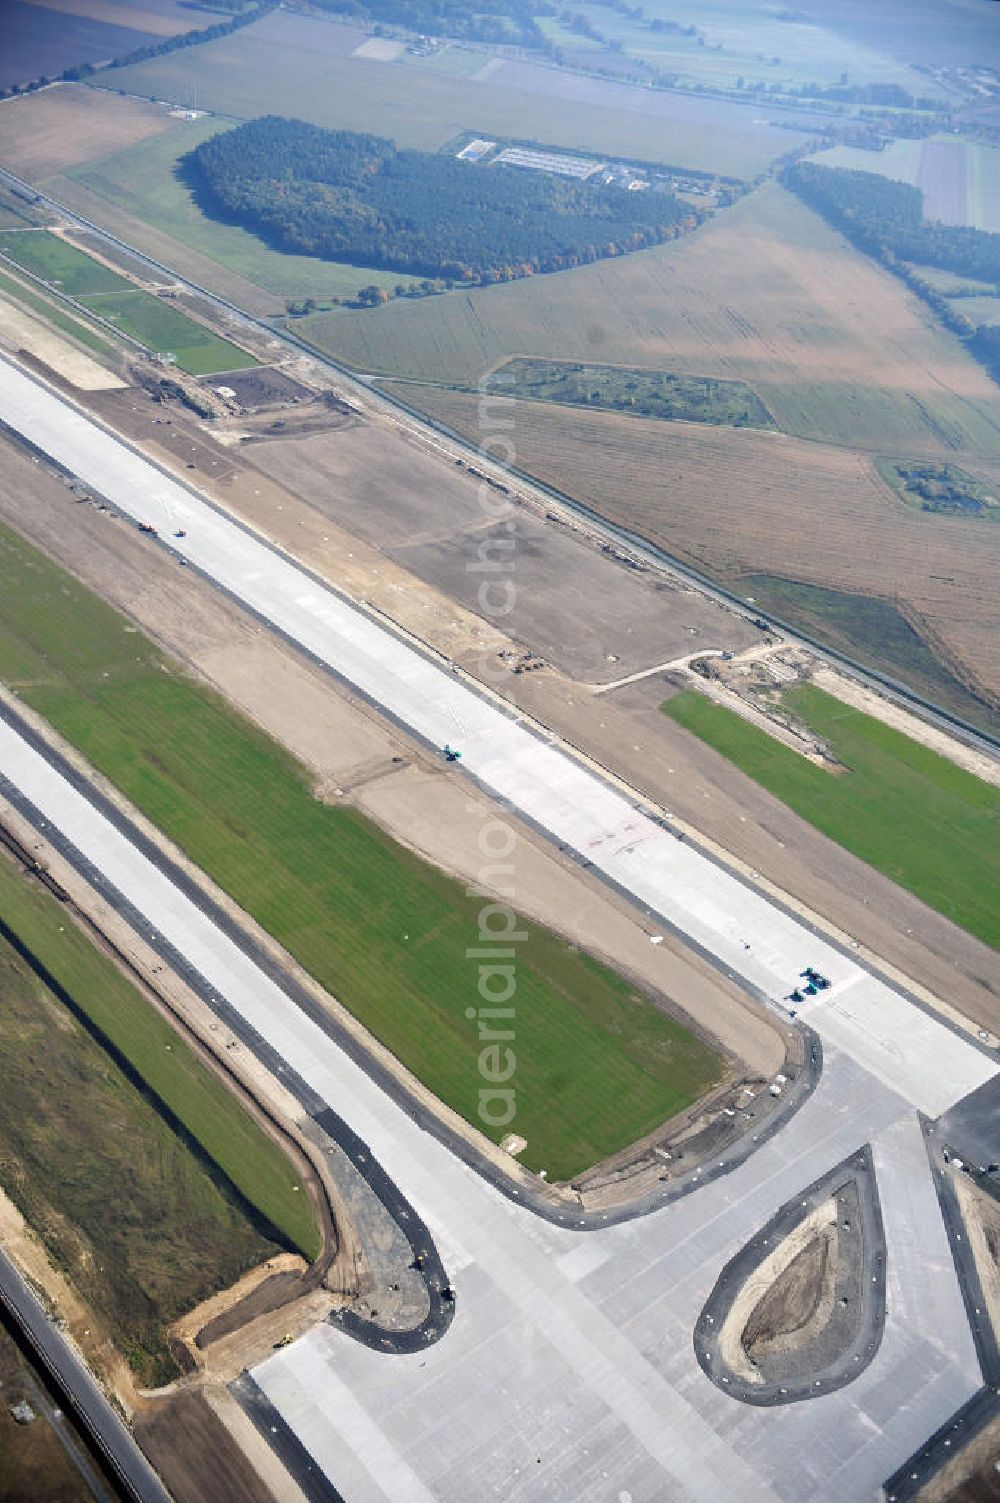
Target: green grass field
[(597, 1064), (51, 259), (141, 1215), (162, 328), (906, 811), (637, 393), (17, 292), (154, 323), (206, 1110)]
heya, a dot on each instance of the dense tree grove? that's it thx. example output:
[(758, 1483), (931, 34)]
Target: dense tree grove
[(885, 218), (355, 198), (511, 21), (985, 345)]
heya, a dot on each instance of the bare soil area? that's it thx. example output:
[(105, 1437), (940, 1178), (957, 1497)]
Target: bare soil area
[(195, 1453), (19, 331), (734, 502), (971, 1476), (572, 604), (981, 1214), (59, 127), (792, 1299), (744, 1327), (264, 387), (38, 1460)]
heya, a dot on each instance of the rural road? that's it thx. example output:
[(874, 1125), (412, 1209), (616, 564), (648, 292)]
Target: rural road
[(73, 1379)]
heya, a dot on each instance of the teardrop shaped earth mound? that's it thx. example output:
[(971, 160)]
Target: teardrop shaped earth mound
[(800, 1309)]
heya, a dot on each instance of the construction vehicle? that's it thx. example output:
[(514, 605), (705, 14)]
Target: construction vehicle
[(180, 533), (285, 1340), (451, 755), (148, 527)]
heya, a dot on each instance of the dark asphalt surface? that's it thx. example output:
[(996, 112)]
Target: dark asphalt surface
[(284, 1442), (83, 1397), (963, 1426), (970, 1131)]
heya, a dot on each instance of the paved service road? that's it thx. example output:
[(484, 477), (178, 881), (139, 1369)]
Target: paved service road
[(73, 1379), (568, 1372)]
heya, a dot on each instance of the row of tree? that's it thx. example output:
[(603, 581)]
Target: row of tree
[(498, 21), (886, 219), (352, 197)]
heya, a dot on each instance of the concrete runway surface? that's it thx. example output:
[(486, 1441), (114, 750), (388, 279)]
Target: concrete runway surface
[(569, 1371)]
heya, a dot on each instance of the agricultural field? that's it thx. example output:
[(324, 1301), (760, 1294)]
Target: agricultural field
[(135, 1207), (39, 42), (48, 132), (960, 180), (306, 69), (937, 32), (598, 1065), (739, 43), (639, 393), (905, 810), (737, 504), (153, 322), (765, 293)]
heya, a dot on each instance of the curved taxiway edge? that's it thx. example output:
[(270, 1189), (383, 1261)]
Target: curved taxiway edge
[(539, 1202), (860, 1345)]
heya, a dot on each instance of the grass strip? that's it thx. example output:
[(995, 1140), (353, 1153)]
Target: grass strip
[(910, 813), (53, 315), (597, 1064)]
